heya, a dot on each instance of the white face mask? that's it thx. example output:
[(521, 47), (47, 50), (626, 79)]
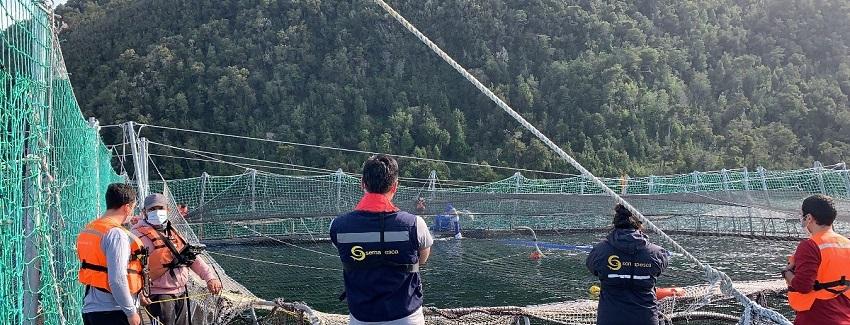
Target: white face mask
[(157, 217)]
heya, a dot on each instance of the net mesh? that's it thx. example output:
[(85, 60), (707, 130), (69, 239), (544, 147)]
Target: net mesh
[(276, 225), (53, 172)]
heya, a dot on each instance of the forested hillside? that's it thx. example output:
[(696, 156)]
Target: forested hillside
[(628, 86)]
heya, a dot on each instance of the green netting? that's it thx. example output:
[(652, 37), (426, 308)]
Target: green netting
[(262, 227), (257, 194), (53, 172)]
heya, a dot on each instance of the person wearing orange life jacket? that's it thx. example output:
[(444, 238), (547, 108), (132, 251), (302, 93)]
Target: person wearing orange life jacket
[(170, 259), (111, 266), (818, 274)]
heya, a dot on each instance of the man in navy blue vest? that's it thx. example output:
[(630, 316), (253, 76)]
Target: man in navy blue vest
[(381, 249)]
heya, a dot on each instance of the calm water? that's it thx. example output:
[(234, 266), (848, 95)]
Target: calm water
[(479, 272)]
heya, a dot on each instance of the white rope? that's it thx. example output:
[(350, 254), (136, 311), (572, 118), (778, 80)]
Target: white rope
[(726, 285), (355, 151), (289, 244), (195, 151), (255, 166), (295, 167)]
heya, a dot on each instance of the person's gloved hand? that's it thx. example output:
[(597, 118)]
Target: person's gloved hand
[(214, 286)]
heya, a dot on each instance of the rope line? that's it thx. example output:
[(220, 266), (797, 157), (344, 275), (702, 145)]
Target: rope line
[(356, 151)]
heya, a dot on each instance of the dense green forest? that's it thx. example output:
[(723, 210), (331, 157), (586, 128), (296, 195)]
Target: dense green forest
[(632, 87)]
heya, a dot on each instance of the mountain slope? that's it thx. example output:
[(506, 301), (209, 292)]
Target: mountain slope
[(638, 87)]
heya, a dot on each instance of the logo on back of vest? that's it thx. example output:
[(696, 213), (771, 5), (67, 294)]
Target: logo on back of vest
[(614, 263), (358, 254)]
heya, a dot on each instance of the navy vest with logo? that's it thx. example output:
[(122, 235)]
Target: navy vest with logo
[(380, 257), (628, 266)]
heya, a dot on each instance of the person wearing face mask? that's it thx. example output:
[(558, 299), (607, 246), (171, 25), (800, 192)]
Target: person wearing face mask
[(111, 262), (168, 264), (818, 275)]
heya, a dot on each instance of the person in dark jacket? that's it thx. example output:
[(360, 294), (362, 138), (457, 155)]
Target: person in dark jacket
[(627, 265), (381, 249)]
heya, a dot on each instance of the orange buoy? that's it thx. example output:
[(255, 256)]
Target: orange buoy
[(535, 256), (661, 293)]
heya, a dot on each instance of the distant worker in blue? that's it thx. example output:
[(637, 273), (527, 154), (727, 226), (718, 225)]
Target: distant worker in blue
[(628, 266), (381, 249), (454, 219), (448, 221)]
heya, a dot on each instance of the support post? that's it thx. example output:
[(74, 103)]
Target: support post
[(140, 159), (725, 183), (253, 173), (338, 179), (517, 184), (583, 184), (819, 174), (143, 149), (763, 176), (432, 185), (625, 185), (695, 180), (747, 187), (846, 177), (202, 205), (651, 184)]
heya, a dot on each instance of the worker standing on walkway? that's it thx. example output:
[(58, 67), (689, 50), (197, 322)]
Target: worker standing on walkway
[(627, 265), (111, 262), (381, 249), (818, 274), (171, 258)]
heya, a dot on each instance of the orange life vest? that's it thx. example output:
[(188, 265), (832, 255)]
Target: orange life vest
[(833, 278), (93, 269), (160, 257)]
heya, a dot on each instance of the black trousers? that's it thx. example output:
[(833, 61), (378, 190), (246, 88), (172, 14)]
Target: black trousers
[(116, 317), (173, 312)]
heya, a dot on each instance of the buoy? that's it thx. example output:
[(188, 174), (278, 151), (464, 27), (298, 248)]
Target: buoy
[(535, 256), (661, 293)]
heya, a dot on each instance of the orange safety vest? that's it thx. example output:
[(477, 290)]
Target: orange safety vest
[(93, 269), (160, 256), (833, 278)]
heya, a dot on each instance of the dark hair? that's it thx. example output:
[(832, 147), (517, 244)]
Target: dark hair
[(624, 219), (119, 194), (821, 208), (379, 173)]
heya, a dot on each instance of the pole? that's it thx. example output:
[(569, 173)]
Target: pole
[(253, 189), (202, 205), (143, 149), (651, 184), (130, 132), (762, 174), (846, 178), (338, 179), (819, 174), (432, 184)]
